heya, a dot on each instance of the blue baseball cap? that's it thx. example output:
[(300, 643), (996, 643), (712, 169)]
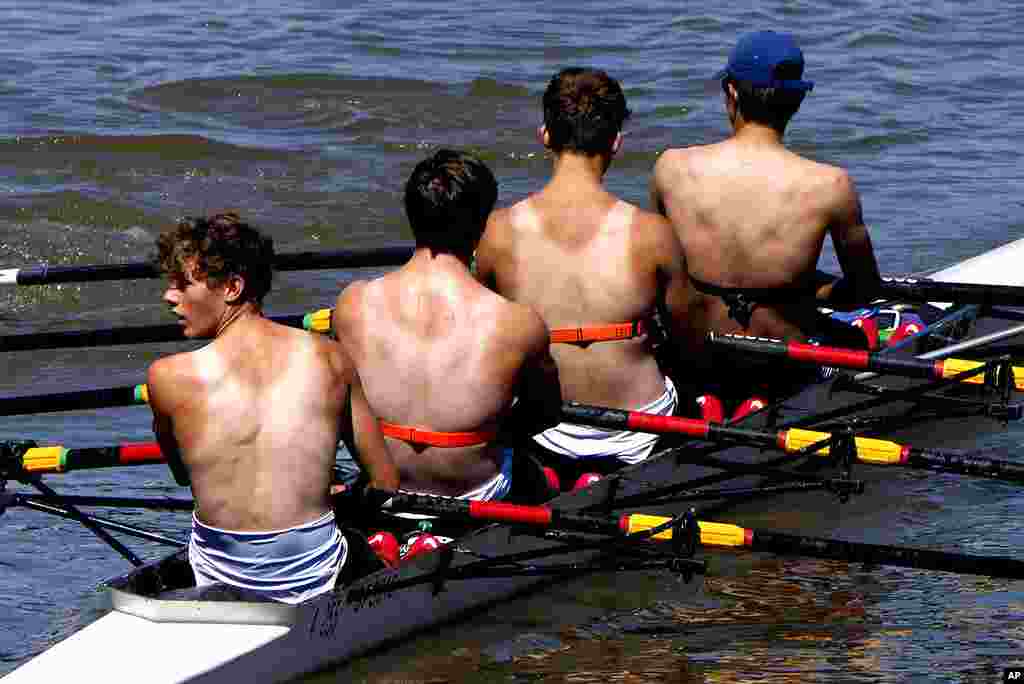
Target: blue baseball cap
[(756, 57)]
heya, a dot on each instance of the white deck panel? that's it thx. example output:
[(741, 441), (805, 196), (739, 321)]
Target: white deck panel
[(1001, 266), (124, 648)]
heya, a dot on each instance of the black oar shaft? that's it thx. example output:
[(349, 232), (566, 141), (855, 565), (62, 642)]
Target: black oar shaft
[(139, 334), (923, 559), (102, 523), (152, 503), (94, 526), (48, 275), (965, 464), (108, 397), (371, 257)]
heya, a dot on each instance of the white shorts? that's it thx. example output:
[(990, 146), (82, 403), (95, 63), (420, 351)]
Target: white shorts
[(582, 442), (290, 565)]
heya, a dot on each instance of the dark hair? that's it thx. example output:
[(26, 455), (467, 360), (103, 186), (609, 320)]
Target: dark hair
[(448, 198), (222, 246), (770, 106), (584, 110)]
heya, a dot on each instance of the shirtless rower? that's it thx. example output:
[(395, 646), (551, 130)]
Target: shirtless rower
[(441, 357), (591, 264), (252, 419), (752, 216)]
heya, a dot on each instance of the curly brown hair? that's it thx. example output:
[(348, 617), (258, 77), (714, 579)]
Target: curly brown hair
[(223, 246)]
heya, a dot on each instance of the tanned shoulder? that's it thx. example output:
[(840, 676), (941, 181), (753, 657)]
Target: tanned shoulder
[(348, 312), (493, 244), (169, 380), (655, 241), (529, 327)]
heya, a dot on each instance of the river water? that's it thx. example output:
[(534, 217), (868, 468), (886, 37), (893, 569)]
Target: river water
[(119, 117)]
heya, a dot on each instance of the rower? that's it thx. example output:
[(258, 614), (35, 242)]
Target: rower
[(595, 268), (752, 215), (252, 419), (441, 357)]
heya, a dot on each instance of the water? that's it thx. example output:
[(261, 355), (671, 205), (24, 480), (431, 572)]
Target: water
[(119, 117)]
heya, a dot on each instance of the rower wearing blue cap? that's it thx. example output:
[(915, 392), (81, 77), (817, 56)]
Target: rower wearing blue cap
[(752, 216), (767, 60)]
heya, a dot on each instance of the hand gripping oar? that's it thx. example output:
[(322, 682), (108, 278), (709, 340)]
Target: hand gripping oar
[(857, 359), (636, 525), (393, 254), (796, 441)]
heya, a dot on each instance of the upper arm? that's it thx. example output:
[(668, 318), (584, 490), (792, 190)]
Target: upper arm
[(657, 202), (347, 309), (485, 259), (371, 451), (676, 294), (539, 385), (161, 387), (850, 236)]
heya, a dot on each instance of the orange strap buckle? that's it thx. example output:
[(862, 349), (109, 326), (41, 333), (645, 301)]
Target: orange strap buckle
[(599, 333), (414, 435)]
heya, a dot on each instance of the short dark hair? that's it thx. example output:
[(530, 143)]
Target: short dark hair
[(770, 106), (448, 198), (584, 110), (222, 246)]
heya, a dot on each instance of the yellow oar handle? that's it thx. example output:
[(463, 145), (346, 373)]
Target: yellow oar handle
[(874, 451), (711, 533), (318, 321), (952, 367), (44, 460)]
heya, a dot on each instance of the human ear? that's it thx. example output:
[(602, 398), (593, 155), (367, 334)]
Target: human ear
[(543, 137), (617, 145), (234, 287)]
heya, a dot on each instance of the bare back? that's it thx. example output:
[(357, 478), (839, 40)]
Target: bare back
[(755, 216), (438, 351), (255, 414), (579, 262)]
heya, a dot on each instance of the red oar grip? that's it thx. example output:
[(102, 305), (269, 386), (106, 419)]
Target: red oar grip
[(497, 511), (140, 452), (835, 356), (652, 422)]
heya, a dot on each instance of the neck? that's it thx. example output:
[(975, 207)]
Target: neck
[(236, 312), (754, 132), (433, 257), (575, 169)]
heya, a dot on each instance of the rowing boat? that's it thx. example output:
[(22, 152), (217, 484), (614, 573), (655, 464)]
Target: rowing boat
[(161, 625)]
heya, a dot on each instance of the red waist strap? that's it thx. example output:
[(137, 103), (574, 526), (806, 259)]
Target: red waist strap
[(415, 435), (599, 333)]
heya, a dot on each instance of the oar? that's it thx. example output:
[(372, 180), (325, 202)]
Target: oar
[(924, 290), (104, 397), (26, 457), (662, 528), (391, 254), (796, 441), (316, 321), (859, 359)]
